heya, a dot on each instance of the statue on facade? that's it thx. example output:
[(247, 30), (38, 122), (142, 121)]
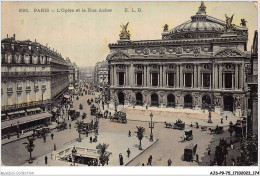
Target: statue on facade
[(229, 20), (243, 22), (238, 102), (165, 28), (125, 34)]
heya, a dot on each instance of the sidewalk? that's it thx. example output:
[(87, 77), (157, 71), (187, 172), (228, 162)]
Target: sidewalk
[(22, 136), (170, 115)]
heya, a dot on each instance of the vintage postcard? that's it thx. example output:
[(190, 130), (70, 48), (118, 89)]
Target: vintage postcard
[(141, 83)]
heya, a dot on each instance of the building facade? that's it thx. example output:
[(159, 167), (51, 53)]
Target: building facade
[(252, 81), (87, 74), (73, 73), (101, 74), (33, 76), (199, 63)]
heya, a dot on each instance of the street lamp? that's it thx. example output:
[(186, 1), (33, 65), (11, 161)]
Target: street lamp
[(74, 152), (151, 125), (231, 130), (210, 110)]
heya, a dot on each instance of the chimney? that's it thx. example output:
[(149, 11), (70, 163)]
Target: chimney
[(14, 36)]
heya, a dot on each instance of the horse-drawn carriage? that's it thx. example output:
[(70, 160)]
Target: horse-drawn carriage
[(119, 117), (84, 115), (62, 126), (217, 130), (41, 132), (190, 152), (93, 110), (187, 135), (179, 124)]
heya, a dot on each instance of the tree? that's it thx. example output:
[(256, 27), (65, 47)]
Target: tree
[(249, 149), (140, 134), (103, 158), (30, 146), (79, 128)]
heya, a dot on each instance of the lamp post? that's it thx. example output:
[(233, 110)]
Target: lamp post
[(151, 125), (74, 152), (210, 110), (231, 130)]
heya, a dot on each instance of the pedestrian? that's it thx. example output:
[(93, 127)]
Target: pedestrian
[(197, 158), (87, 133), (150, 160), (169, 162), (197, 125), (52, 135), (209, 150), (44, 139), (54, 147), (121, 159), (226, 117), (143, 164), (128, 152), (70, 125), (129, 133), (191, 124), (221, 120), (90, 139), (46, 160)]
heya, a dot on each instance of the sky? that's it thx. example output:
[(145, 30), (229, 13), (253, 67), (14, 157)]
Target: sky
[(84, 36)]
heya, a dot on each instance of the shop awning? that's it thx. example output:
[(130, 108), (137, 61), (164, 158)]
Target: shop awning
[(23, 111), (25, 119), (33, 109)]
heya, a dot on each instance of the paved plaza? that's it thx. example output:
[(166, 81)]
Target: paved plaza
[(115, 134)]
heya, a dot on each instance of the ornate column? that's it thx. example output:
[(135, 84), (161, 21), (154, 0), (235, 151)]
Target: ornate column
[(161, 75), (164, 76), (115, 75), (199, 76), (216, 76), (236, 76), (145, 78), (126, 75), (241, 75), (220, 76), (177, 76), (195, 85), (181, 76), (131, 74), (148, 76)]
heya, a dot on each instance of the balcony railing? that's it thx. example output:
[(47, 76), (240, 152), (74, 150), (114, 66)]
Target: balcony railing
[(19, 88), (21, 105), (24, 74), (28, 87)]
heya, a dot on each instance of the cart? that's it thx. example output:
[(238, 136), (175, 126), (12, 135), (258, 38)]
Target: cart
[(119, 117), (190, 152), (188, 136), (179, 125)]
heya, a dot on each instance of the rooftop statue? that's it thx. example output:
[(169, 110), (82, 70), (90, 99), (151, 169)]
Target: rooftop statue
[(243, 22), (229, 20), (124, 33), (202, 8), (165, 28)]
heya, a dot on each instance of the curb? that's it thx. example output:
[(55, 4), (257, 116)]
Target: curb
[(141, 152)]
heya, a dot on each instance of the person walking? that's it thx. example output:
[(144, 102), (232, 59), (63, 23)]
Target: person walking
[(90, 139), (209, 150), (221, 120), (121, 159), (226, 117), (128, 152), (52, 135), (129, 133), (169, 162), (143, 164), (197, 158), (46, 160), (44, 139), (150, 160), (70, 125)]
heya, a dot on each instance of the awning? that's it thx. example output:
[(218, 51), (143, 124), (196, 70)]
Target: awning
[(34, 109), (66, 96), (23, 111), (25, 119)]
